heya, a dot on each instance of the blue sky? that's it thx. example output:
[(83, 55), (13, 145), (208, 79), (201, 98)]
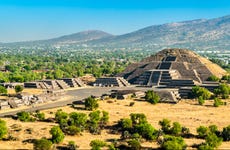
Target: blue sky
[(23, 20)]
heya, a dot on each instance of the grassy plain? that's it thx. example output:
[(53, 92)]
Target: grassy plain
[(187, 112)]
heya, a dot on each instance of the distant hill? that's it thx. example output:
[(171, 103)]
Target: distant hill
[(201, 34), (82, 37), (196, 34)]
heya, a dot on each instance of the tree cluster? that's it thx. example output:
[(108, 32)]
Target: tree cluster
[(74, 123)]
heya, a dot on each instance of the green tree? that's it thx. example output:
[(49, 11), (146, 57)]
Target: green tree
[(18, 88), (3, 128), (3, 90), (97, 144), (152, 97), (58, 74), (42, 144), (57, 134), (91, 103)]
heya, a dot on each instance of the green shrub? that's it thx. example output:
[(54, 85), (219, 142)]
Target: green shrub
[(93, 122), (226, 77), (146, 130), (212, 140), (18, 88), (202, 131), (105, 118), (126, 123), (91, 103), (223, 90), (40, 116), (25, 116), (226, 133), (176, 128), (3, 90), (138, 118), (217, 102), (172, 142), (152, 97), (72, 146), (201, 92), (165, 125), (73, 130), (3, 128), (134, 144), (42, 144), (78, 119), (214, 129), (59, 115), (97, 144), (57, 134), (201, 100), (213, 78), (204, 146)]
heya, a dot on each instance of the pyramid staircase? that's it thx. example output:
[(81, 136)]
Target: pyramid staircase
[(122, 82), (73, 82), (111, 81), (79, 82), (62, 84), (51, 84), (157, 77), (167, 76)]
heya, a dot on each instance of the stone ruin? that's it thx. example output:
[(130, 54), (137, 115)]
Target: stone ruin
[(55, 84), (173, 68), (27, 99), (111, 81)]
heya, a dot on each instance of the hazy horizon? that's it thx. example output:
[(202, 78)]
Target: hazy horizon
[(29, 20)]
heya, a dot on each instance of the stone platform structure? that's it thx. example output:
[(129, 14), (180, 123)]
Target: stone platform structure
[(55, 84), (173, 68), (111, 81)]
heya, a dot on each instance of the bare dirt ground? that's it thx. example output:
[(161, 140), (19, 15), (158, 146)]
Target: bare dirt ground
[(187, 112)]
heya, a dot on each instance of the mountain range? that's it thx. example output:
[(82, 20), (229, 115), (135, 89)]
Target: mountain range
[(200, 34)]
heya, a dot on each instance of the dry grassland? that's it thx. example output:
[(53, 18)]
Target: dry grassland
[(187, 112)]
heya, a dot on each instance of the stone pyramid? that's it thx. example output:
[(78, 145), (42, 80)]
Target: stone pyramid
[(172, 66)]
